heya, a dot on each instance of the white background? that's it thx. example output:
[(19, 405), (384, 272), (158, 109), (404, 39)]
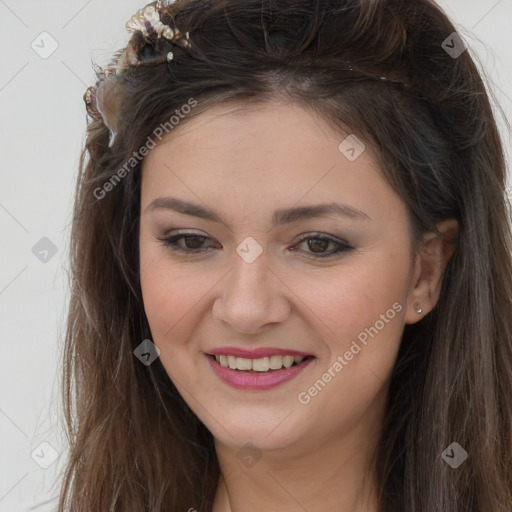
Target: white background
[(42, 130)]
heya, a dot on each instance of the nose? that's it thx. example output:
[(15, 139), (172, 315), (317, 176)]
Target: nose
[(253, 296)]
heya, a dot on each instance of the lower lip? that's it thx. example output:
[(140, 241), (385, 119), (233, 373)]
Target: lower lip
[(254, 381)]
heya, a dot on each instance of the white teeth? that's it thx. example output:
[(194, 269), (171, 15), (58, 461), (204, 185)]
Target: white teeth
[(263, 364), (276, 362), (287, 361), (243, 364), (260, 365)]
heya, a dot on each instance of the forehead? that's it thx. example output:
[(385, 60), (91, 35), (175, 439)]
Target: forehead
[(246, 161), (281, 141), (275, 123)]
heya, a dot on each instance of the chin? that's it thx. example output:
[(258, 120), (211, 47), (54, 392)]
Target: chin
[(270, 433)]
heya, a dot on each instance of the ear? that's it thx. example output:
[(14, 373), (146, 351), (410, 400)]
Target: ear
[(430, 262)]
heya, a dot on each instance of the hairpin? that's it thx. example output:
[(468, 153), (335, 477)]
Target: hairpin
[(150, 15), (147, 22), (103, 100)]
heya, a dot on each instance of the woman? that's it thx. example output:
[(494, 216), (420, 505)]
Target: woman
[(291, 264)]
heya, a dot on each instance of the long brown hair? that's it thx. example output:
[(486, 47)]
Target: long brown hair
[(380, 68)]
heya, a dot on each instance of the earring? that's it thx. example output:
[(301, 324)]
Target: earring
[(418, 309)]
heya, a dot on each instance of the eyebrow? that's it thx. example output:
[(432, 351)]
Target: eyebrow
[(282, 216)]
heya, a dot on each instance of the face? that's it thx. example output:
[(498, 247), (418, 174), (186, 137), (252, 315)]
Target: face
[(257, 280)]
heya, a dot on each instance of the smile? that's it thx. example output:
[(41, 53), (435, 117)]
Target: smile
[(263, 364), (257, 374)]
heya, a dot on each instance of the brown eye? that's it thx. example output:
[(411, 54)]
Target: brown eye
[(192, 242), (319, 243)]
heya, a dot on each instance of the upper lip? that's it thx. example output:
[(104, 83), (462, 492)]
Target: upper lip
[(255, 353)]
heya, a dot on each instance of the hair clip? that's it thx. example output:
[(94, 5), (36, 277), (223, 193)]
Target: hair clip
[(164, 3), (146, 23), (151, 15), (104, 99)]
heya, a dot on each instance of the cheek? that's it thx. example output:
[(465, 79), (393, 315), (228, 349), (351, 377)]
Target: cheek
[(359, 316), (171, 304), (166, 293), (176, 302), (170, 300), (352, 298)]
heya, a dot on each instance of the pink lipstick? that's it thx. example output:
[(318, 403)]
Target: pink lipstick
[(256, 381)]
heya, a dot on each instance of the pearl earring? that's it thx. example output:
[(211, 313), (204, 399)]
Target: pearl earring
[(418, 309)]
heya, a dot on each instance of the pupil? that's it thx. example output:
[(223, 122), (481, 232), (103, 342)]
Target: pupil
[(316, 242), (194, 237)]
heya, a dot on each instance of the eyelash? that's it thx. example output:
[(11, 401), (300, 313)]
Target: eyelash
[(342, 246)]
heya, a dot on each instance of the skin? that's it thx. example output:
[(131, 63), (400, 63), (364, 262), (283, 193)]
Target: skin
[(244, 163)]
